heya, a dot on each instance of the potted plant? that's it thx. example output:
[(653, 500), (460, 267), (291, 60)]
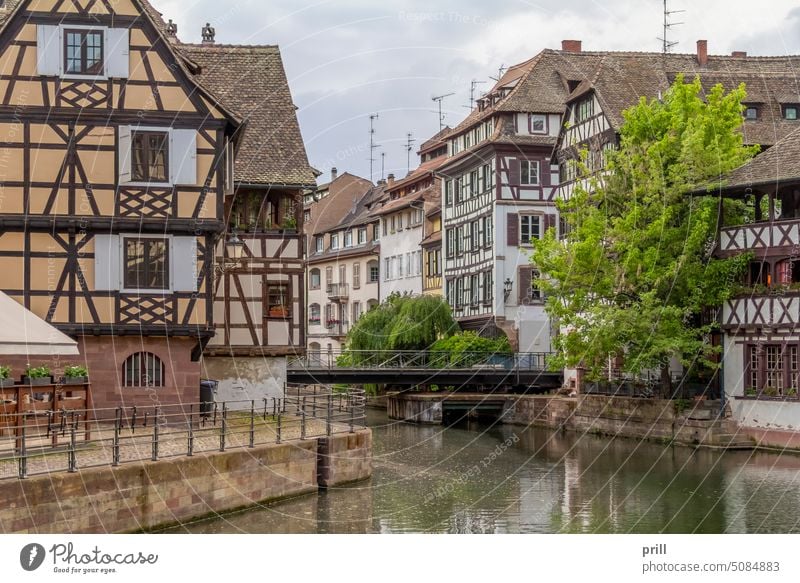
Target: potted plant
[(37, 376), (750, 392), (76, 375), (290, 224), (5, 377)]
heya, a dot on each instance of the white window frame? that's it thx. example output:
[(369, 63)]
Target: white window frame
[(539, 117), (525, 177), (348, 239), (522, 217), (334, 241)]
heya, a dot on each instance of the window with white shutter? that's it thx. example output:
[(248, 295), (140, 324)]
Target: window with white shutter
[(184, 264), (107, 270), (48, 50), (124, 146), (87, 51), (183, 157)]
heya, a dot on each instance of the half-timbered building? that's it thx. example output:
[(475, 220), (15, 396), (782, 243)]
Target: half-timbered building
[(611, 82), (259, 307), (118, 161), (498, 195), (761, 323)]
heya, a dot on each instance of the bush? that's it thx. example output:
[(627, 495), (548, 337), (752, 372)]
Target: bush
[(37, 372), (5, 372), (467, 349), (75, 372)]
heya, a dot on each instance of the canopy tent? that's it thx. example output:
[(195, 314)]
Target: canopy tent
[(23, 333)]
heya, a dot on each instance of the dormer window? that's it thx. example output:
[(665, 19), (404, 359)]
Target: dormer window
[(791, 112), (538, 124), (751, 113)]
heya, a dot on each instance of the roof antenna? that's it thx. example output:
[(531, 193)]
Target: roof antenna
[(667, 44), (409, 148), (372, 145), (439, 99), (500, 72), (472, 86), (383, 165)]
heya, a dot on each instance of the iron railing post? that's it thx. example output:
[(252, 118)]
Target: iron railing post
[(252, 424), (352, 406), (303, 419), (278, 440), (223, 426), (72, 462), (190, 440), (329, 415), (23, 455), (115, 443), (155, 436)]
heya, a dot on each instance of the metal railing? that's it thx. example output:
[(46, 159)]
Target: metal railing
[(648, 385), (37, 442), (338, 291), (534, 361)]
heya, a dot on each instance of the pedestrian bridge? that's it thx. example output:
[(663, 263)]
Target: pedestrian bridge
[(521, 371)]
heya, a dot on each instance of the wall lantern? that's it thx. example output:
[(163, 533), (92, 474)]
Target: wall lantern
[(508, 287)]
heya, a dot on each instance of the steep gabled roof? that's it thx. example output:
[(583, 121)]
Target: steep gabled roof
[(346, 193), (252, 81), (776, 167)]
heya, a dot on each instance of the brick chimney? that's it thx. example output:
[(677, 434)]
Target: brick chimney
[(334, 174), (571, 46), (702, 53), (739, 54), (390, 179)]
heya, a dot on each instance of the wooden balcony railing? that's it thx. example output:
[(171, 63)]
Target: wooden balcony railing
[(760, 236)]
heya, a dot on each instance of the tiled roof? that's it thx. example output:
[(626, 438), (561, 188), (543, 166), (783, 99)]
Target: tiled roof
[(432, 239), (778, 165), (619, 79), (398, 204), (251, 80), (371, 248), (346, 194), (437, 140)]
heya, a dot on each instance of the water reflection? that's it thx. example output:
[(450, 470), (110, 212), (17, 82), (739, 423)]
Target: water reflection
[(501, 479)]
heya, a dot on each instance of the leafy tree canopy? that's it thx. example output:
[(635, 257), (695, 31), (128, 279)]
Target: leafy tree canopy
[(636, 274), (402, 323)]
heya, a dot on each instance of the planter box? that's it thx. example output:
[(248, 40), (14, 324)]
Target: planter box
[(72, 381), (6, 383), (43, 382)]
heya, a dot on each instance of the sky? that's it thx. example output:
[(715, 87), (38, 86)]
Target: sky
[(349, 59)]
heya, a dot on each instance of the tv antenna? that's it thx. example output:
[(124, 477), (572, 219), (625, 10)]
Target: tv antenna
[(372, 145), (409, 148), (500, 72), (668, 44), (472, 86), (439, 99)]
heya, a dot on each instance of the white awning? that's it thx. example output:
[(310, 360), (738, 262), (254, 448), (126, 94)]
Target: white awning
[(23, 333)]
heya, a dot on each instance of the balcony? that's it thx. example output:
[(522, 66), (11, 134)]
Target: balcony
[(760, 312), (338, 292), (763, 235)]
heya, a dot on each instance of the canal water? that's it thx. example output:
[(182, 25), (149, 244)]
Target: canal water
[(484, 478)]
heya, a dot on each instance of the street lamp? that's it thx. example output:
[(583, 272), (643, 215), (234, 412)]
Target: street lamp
[(234, 250), (234, 247)]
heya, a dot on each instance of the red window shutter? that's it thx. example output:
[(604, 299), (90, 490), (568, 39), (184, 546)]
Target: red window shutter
[(514, 173), (524, 284), (784, 273), (512, 224)]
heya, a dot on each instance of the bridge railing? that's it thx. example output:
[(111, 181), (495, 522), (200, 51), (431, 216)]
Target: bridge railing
[(384, 359)]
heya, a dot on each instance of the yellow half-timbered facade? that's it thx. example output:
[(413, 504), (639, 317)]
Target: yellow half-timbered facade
[(117, 176)]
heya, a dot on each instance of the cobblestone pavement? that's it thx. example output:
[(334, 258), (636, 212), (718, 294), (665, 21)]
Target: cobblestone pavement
[(137, 446)]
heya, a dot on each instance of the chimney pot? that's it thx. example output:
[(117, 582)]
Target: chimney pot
[(390, 179), (739, 54), (172, 31), (334, 174), (571, 46), (702, 52)]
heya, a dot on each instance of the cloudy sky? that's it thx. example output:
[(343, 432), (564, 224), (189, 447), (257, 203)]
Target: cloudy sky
[(347, 59)]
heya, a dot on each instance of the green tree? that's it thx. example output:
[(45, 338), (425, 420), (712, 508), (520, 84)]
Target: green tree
[(400, 323), (636, 273), (468, 348)]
